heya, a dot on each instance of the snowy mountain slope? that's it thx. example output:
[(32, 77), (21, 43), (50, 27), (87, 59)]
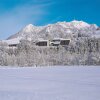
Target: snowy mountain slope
[(74, 24), (59, 29), (28, 32)]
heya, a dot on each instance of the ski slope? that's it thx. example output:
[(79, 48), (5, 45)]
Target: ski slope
[(50, 83)]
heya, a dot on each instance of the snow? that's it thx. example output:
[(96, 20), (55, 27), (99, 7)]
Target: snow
[(12, 41), (28, 28), (96, 36), (74, 24), (50, 83), (33, 32), (63, 24), (80, 24)]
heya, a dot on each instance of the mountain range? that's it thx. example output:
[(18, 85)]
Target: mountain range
[(72, 30)]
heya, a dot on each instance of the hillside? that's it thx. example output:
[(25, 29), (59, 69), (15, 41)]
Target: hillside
[(78, 44), (57, 30)]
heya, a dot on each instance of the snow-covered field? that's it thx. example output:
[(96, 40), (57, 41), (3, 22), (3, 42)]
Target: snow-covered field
[(50, 83)]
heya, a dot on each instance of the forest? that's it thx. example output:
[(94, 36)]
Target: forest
[(82, 51)]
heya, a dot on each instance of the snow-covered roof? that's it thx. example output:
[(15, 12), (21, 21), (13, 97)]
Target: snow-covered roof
[(12, 41), (61, 39), (41, 39), (96, 36)]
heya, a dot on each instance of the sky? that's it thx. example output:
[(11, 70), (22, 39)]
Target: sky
[(16, 14)]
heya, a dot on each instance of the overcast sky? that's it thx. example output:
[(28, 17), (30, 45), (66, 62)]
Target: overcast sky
[(15, 14)]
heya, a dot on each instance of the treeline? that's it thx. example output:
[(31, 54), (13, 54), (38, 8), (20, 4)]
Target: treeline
[(83, 51)]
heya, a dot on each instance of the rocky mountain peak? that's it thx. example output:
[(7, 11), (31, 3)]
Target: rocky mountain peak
[(59, 29)]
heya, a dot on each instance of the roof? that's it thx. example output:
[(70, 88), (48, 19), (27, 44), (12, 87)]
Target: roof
[(12, 41)]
